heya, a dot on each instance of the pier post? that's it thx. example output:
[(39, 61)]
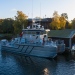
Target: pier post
[(70, 43)]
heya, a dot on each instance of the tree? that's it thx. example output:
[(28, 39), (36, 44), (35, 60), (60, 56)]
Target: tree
[(55, 24), (68, 25), (20, 20), (55, 14), (1, 20), (62, 22), (64, 15), (7, 26), (20, 16), (58, 21), (73, 23)]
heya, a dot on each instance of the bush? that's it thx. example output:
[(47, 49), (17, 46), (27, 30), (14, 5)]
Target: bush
[(6, 36)]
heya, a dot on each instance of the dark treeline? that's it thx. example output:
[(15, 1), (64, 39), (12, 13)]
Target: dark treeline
[(6, 25)]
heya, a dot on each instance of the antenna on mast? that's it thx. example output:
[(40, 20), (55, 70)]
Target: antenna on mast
[(40, 10), (40, 14), (32, 13), (32, 9)]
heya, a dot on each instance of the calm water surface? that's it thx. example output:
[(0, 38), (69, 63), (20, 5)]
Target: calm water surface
[(14, 64)]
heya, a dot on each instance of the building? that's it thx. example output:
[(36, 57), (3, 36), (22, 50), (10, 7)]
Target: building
[(68, 35), (44, 22)]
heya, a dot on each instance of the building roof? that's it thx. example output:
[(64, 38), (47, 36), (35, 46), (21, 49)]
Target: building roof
[(66, 33)]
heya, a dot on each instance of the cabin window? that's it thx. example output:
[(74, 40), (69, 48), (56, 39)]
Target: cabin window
[(33, 35), (34, 26), (37, 33), (43, 32), (28, 32), (33, 32)]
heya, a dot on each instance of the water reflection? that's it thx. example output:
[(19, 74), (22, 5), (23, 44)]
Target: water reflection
[(46, 71), (22, 65)]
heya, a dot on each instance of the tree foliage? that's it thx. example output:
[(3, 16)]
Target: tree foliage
[(6, 25), (73, 23), (62, 22), (20, 21), (20, 16), (58, 21), (1, 20), (55, 24), (64, 15), (68, 25)]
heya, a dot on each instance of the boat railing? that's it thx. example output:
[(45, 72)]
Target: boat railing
[(3, 42), (30, 41)]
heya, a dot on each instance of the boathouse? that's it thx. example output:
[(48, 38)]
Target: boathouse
[(68, 35)]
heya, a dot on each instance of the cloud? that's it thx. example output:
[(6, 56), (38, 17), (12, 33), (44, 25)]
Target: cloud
[(14, 9)]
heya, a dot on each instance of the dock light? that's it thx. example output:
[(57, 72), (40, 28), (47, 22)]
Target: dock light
[(33, 21), (47, 30), (46, 71)]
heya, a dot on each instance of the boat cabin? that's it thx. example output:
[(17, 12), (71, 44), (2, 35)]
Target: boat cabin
[(36, 34)]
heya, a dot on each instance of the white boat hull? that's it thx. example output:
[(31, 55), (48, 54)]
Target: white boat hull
[(33, 50)]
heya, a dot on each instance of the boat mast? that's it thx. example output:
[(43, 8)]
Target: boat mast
[(40, 9), (40, 14), (32, 13)]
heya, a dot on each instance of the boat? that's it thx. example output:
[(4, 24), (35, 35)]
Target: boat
[(32, 42)]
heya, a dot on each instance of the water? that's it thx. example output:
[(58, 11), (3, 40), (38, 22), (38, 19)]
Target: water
[(14, 64)]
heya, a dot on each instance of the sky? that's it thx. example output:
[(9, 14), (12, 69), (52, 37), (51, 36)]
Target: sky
[(37, 8)]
